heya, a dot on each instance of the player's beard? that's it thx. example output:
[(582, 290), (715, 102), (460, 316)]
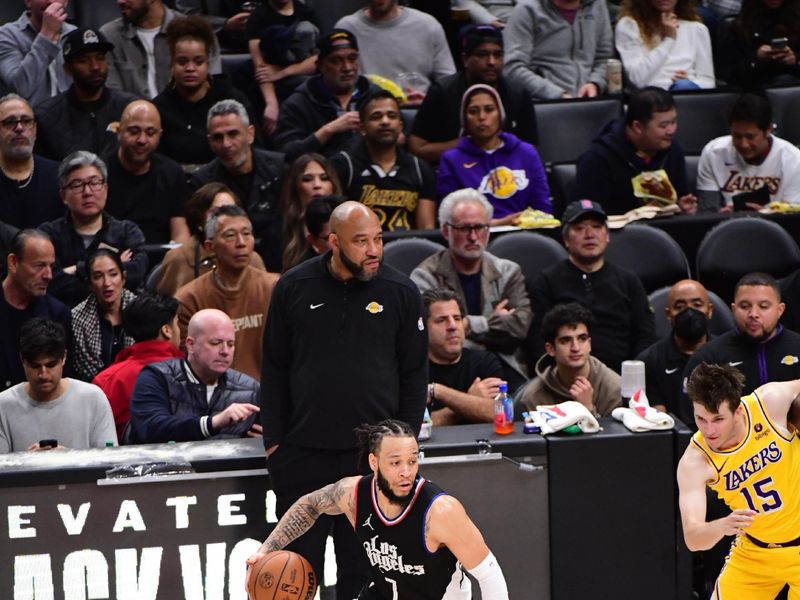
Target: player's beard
[(386, 490)]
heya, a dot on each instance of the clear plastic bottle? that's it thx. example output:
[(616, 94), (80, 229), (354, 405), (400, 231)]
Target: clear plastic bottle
[(426, 430), (503, 412)]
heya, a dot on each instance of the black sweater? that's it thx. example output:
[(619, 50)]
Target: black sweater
[(623, 320), (339, 354)]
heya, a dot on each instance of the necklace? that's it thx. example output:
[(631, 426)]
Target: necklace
[(23, 183)]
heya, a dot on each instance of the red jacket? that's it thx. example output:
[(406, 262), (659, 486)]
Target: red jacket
[(118, 379)]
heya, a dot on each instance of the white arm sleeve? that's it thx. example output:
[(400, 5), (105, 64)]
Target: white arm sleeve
[(490, 578)]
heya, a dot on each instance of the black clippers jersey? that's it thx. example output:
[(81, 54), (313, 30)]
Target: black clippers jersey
[(403, 567)]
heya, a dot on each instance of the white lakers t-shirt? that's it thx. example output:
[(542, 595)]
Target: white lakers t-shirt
[(722, 169)]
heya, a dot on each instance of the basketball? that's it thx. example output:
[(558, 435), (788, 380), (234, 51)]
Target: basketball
[(281, 575)]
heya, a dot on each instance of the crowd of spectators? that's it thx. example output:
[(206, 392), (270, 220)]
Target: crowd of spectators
[(194, 252), (122, 142)]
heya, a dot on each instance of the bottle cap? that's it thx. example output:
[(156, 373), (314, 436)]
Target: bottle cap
[(503, 387)]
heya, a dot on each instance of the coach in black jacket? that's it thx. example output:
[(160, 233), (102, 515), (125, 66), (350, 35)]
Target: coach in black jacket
[(344, 344)]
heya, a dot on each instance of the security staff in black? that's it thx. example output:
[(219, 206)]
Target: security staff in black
[(418, 539), (689, 311), (344, 344), (761, 348)]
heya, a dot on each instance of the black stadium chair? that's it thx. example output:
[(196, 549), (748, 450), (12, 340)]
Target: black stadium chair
[(785, 101), (562, 186), (721, 318), (95, 13), (567, 127), (10, 10), (650, 253), (153, 278), (691, 172), (532, 251), (743, 245), (409, 114), (233, 64), (405, 254), (702, 116)]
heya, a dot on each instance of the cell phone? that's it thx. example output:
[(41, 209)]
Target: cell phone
[(48, 443), (759, 196), (779, 43)]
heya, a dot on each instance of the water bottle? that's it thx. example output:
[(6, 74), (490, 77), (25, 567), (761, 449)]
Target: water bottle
[(426, 430), (503, 412)]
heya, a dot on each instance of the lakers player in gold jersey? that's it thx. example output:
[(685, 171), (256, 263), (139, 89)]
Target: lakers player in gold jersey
[(747, 452)]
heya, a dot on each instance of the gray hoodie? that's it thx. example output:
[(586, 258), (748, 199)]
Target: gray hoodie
[(550, 56)]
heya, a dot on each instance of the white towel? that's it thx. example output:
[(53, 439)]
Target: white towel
[(559, 416), (641, 416)]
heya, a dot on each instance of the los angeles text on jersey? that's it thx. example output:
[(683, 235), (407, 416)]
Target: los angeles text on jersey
[(751, 466), (384, 556)]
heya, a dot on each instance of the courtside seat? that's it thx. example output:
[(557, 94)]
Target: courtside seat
[(651, 254), (744, 245), (405, 254)]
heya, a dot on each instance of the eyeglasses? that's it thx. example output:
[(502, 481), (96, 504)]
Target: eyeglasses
[(10, 124), (95, 184), (478, 229)]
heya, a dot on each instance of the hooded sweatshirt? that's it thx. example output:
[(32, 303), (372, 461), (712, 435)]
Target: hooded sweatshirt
[(311, 106), (548, 389), (550, 55), (605, 170), (512, 176)]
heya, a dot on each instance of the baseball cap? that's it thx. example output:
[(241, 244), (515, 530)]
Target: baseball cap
[(472, 36), (338, 39), (582, 208), (83, 40)]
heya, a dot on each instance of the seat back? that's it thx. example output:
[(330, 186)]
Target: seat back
[(153, 278), (563, 186), (744, 245), (567, 127), (702, 116), (94, 14), (405, 254), (784, 103), (721, 318), (10, 10), (691, 173), (651, 254), (530, 250)]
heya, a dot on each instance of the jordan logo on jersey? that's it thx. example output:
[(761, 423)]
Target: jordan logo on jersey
[(751, 466), (384, 556), (368, 523)]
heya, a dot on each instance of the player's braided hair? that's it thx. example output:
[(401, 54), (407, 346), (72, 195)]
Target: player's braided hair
[(370, 437)]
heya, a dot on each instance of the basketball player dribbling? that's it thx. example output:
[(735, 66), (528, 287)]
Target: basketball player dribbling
[(418, 539), (747, 452)]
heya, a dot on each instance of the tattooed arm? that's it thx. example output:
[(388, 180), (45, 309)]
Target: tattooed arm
[(334, 499)]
